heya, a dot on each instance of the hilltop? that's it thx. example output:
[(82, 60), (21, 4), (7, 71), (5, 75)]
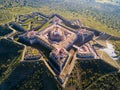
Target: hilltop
[(77, 63)]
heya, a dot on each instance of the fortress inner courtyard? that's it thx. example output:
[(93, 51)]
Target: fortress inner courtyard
[(57, 35)]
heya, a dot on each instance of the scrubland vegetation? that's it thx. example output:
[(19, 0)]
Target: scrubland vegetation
[(10, 55), (87, 73), (4, 30), (32, 76)]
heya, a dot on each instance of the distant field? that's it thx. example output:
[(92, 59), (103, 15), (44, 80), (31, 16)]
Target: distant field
[(107, 1), (10, 55), (8, 15), (114, 2)]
